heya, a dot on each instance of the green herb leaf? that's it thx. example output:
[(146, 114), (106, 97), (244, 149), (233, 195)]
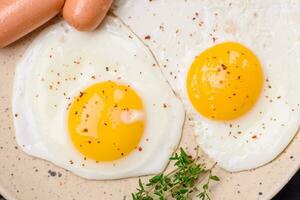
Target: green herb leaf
[(180, 184), (215, 178), (141, 184)]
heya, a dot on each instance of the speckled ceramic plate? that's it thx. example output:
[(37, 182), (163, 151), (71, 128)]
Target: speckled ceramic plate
[(23, 177)]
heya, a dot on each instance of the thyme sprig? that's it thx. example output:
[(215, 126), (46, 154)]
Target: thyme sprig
[(181, 184)]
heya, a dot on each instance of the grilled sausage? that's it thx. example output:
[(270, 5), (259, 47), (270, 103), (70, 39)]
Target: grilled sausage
[(19, 17), (85, 15)]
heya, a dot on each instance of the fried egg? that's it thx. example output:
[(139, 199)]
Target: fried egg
[(236, 67), (95, 103)]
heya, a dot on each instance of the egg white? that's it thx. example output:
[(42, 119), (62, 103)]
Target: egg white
[(181, 30), (59, 64)]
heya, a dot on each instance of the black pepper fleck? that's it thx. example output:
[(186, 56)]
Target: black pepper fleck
[(51, 173)]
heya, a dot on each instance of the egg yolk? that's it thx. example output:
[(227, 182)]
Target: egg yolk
[(106, 121), (224, 81)]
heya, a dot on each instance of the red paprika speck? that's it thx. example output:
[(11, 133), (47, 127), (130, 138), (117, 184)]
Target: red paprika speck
[(140, 149), (254, 137)]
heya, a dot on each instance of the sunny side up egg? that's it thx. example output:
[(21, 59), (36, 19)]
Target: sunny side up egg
[(236, 67), (95, 103)]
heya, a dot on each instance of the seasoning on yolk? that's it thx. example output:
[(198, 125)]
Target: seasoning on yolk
[(106, 121), (224, 81)]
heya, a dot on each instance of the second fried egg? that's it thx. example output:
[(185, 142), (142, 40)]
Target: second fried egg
[(235, 65)]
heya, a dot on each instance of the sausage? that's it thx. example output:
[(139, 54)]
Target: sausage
[(85, 15), (19, 17)]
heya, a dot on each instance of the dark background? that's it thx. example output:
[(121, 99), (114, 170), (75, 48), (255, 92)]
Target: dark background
[(290, 192)]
